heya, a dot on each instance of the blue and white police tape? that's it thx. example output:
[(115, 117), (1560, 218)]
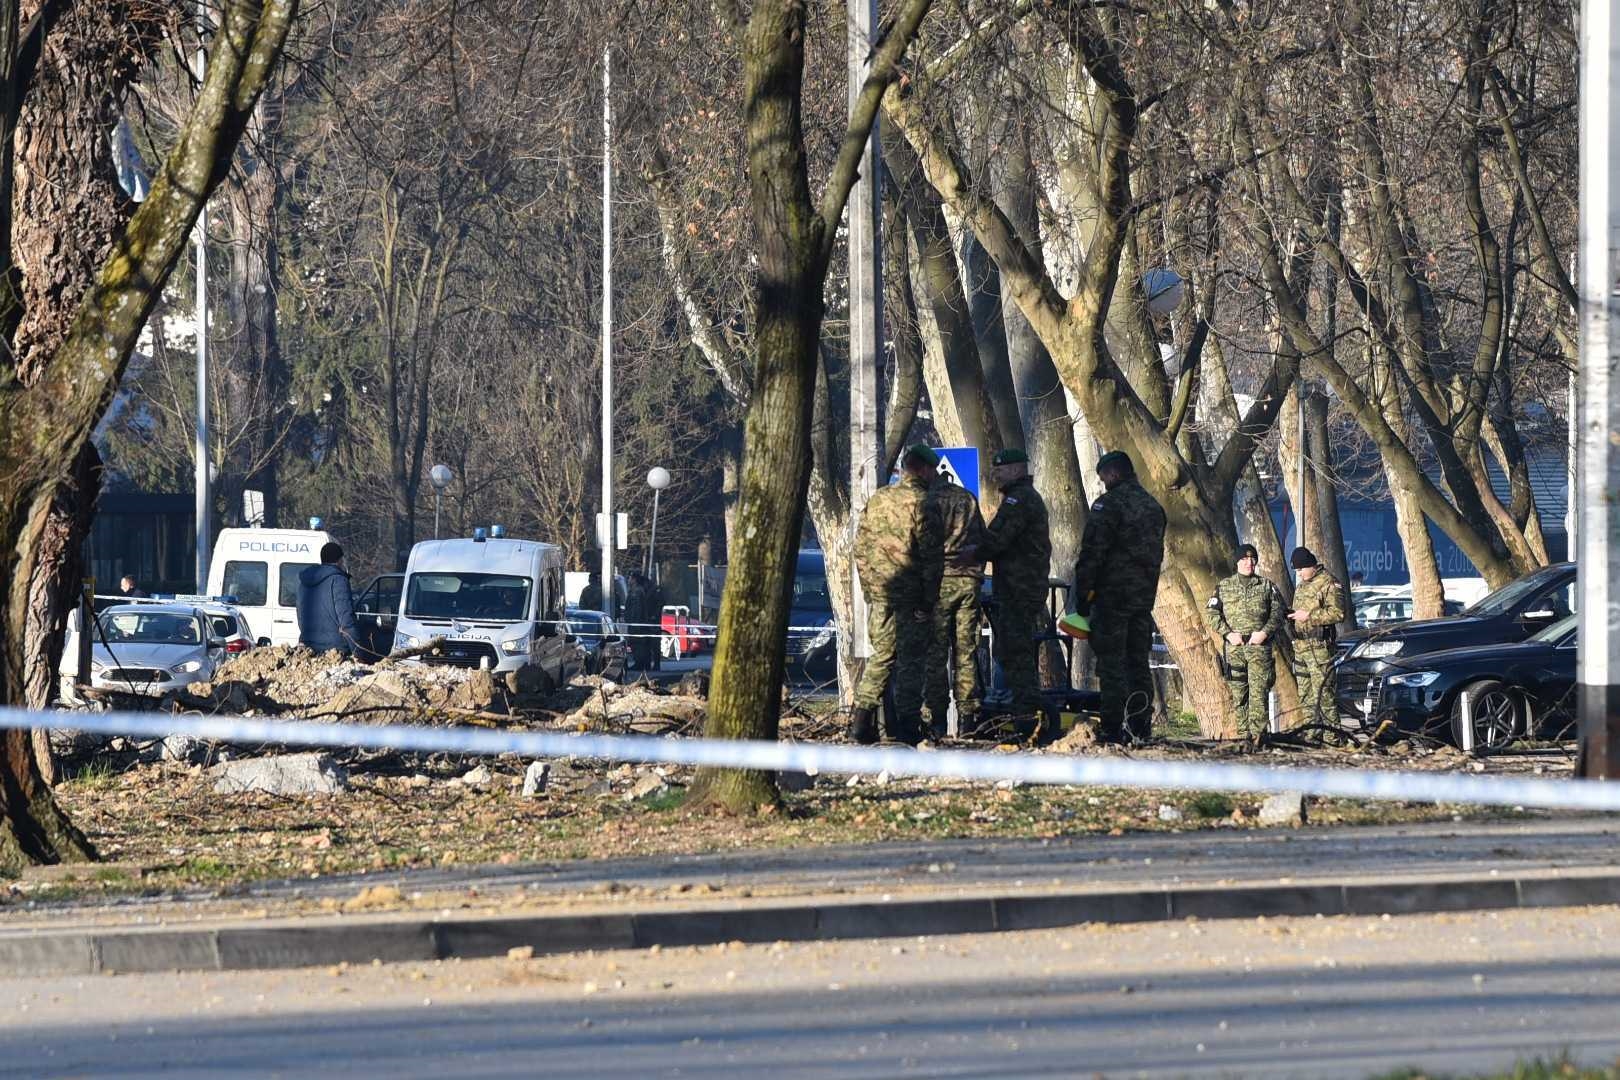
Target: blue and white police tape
[(1062, 769)]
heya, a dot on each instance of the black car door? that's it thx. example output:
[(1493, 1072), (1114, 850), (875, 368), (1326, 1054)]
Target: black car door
[(376, 614)]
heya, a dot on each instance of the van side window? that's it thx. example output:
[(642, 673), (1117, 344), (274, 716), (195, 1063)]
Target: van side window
[(249, 582), (287, 595)]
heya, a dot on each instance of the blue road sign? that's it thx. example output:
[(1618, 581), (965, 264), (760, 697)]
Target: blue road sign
[(961, 464)]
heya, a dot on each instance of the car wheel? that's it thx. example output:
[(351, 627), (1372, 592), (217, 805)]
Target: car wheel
[(1495, 713)]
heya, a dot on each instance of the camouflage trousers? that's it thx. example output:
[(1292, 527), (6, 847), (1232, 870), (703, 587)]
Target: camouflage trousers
[(899, 650), (1017, 621), (1312, 663), (1123, 644), (951, 661), (1250, 672)]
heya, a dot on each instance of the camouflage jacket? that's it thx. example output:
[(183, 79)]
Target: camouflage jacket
[(1122, 550), (1019, 542), (964, 527), (900, 546), (1323, 598), (1245, 604)]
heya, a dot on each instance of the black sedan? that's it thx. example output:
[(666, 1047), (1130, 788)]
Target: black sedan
[(1512, 691), (603, 645), (1512, 613)]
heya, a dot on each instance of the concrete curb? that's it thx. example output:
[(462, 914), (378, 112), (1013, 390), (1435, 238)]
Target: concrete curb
[(392, 939)]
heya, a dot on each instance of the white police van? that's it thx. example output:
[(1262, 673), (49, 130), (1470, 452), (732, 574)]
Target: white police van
[(496, 603), (260, 567)]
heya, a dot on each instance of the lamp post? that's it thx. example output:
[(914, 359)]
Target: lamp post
[(658, 480), (439, 476)]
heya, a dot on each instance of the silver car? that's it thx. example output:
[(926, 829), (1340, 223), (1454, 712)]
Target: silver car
[(151, 648)]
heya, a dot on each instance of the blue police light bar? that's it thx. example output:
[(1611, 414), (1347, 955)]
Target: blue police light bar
[(189, 598), (317, 523), (497, 532), (478, 536)]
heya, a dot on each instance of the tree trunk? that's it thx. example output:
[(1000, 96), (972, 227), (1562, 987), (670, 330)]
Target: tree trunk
[(1327, 530), (1428, 595), (49, 421)]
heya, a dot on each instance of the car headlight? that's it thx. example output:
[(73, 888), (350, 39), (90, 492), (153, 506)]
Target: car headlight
[(405, 641), (1372, 650), (514, 646), (97, 667), (824, 635), (187, 668), (1412, 678)]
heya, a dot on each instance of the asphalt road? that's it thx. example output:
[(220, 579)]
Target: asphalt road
[(1349, 997)]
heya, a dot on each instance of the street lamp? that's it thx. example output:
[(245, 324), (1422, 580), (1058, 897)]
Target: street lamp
[(439, 476), (658, 480)]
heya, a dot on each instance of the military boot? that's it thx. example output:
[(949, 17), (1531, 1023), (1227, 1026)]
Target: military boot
[(863, 725)]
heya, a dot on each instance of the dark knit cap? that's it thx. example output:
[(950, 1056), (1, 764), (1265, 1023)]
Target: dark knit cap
[(1012, 456), (1302, 559), (1245, 551), (1118, 460)]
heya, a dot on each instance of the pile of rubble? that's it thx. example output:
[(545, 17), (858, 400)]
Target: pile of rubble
[(283, 681)]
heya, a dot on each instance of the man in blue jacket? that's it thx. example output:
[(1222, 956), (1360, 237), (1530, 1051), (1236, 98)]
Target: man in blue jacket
[(326, 605)]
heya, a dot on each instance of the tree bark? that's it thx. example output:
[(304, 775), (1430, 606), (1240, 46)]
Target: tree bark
[(50, 421), (1328, 530)]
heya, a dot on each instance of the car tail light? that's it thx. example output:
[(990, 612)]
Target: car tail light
[(236, 645)]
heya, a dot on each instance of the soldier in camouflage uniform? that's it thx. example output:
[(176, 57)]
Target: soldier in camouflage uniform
[(1247, 612), (1318, 610), (956, 616), (1019, 542), (899, 551), (1115, 582)]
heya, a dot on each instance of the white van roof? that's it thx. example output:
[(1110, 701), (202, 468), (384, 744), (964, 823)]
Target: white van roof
[(236, 542), (503, 556)]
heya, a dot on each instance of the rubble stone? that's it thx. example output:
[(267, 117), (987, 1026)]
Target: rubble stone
[(529, 679), (286, 774), (1285, 808), (648, 786), (478, 777), (534, 779), (182, 748)]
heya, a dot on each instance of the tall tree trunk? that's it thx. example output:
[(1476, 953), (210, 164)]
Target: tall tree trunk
[(1428, 594), (49, 421), (795, 241), (1326, 529)]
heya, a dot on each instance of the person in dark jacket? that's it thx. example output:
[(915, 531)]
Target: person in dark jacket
[(326, 605), (127, 587)]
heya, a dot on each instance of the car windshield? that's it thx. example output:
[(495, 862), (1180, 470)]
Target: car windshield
[(1510, 595), (810, 592), (150, 628), (585, 624), (479, 597), (1557, 632)]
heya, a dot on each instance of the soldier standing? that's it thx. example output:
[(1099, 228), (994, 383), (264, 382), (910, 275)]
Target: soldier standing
[(956, 615), (899, 551), (1247, 611), (1115, 582), (1318, 610), (1019, 543)]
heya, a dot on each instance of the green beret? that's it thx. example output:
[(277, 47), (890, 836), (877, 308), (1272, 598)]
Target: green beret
[(1012, 456), (922, 454), (1118, 460)]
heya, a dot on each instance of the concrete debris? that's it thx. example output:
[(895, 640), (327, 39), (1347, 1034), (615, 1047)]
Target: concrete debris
[(1168, 812), (534, 780), (479, 777), (1081, 737), (641, 708), (529, 679), (183, 748), (479, 693), (648, 786), (287, 774), (1286, 808)]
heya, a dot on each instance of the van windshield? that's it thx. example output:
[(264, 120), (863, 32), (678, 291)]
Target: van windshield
[(810, 592), (474, 597)]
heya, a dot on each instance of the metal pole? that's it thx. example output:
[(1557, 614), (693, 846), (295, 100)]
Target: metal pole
[(437, 495), (1465, 706), (608, 531), (1598, 671), (204, 501), (1299, 434), (865, 312), (652, 543)]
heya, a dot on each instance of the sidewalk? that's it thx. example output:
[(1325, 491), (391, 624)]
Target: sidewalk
[(825, 893)]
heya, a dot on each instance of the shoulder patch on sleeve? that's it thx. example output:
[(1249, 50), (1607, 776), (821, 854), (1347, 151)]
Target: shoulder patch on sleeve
[(1215, 601), (1098, 505), (1010, 501)]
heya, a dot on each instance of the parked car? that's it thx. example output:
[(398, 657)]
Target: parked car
[(1512, 613), (1515, 690), (1394, 608), (598, 636), (229, 626), (812, 632), (151, 649)]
